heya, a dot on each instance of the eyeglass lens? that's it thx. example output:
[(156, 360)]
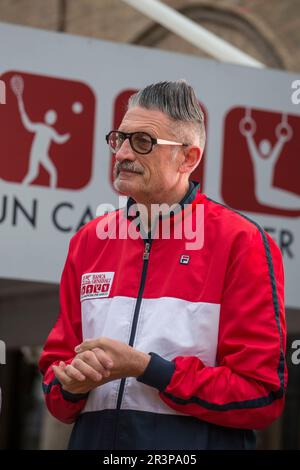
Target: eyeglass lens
[(140, 141)]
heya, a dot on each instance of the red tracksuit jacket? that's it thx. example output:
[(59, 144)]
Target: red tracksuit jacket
[(212, 318)]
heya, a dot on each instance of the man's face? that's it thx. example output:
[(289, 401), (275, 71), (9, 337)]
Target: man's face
[(148, 178)]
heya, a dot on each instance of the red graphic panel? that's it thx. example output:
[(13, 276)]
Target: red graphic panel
[(261, 164), (120, 108), (47, 129)]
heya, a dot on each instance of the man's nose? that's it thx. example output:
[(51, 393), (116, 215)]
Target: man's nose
[(125, 152)]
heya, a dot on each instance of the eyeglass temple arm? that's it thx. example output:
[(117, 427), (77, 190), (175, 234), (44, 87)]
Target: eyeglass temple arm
[(170, 142)]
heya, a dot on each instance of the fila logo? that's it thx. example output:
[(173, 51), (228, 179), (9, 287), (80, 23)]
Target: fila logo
[(184, 259)]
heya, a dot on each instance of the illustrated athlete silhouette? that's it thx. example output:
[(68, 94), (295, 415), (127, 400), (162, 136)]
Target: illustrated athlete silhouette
[(264, 158), (44, 135)]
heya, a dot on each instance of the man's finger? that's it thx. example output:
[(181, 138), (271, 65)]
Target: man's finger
[(103, 358), (86, 370), (61, 375), (74, 373), (99, 363), (88, 344)]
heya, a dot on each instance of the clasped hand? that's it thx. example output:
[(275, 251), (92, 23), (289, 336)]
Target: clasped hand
[(99, 361)]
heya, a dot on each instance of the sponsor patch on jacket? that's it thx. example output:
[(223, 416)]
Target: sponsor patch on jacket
[(95, 285)]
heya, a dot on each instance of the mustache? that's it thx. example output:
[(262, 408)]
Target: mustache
[(128, 166)]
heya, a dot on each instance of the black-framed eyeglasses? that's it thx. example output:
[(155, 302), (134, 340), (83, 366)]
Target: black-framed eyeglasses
[(140, 142)]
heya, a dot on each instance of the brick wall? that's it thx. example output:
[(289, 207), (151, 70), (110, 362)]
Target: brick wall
[(269, 30)]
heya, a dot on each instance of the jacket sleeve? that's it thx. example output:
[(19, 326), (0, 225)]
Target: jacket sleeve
[(65, 335), (246, 388)]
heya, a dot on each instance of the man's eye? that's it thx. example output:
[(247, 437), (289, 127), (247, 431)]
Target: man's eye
[(143, 141)]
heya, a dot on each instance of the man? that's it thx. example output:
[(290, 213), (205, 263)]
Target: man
[(172, 346)]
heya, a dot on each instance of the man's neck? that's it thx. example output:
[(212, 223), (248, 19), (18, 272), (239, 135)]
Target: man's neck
[(148, 210)]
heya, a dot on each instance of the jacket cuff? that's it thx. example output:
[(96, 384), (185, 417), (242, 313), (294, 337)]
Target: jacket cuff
[(73, 397), (158, 373)]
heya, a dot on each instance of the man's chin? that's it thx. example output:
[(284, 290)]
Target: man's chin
[(126, 187)]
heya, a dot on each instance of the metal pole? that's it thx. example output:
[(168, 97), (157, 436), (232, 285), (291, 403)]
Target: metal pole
[(192, 32)]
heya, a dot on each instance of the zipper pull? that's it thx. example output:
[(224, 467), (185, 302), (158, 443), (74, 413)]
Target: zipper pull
[(146, 251)]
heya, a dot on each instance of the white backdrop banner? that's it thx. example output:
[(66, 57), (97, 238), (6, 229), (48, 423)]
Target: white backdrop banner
[(60, 95)]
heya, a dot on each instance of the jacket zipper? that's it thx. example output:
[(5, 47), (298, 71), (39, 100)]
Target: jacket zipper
[(146, 255)]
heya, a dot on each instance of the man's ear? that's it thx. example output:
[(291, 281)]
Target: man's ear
[(192, 158)]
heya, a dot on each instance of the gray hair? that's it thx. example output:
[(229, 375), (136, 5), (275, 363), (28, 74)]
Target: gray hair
[(177, 100)]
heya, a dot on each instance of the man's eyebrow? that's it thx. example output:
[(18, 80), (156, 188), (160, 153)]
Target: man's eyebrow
[(146, 131)]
